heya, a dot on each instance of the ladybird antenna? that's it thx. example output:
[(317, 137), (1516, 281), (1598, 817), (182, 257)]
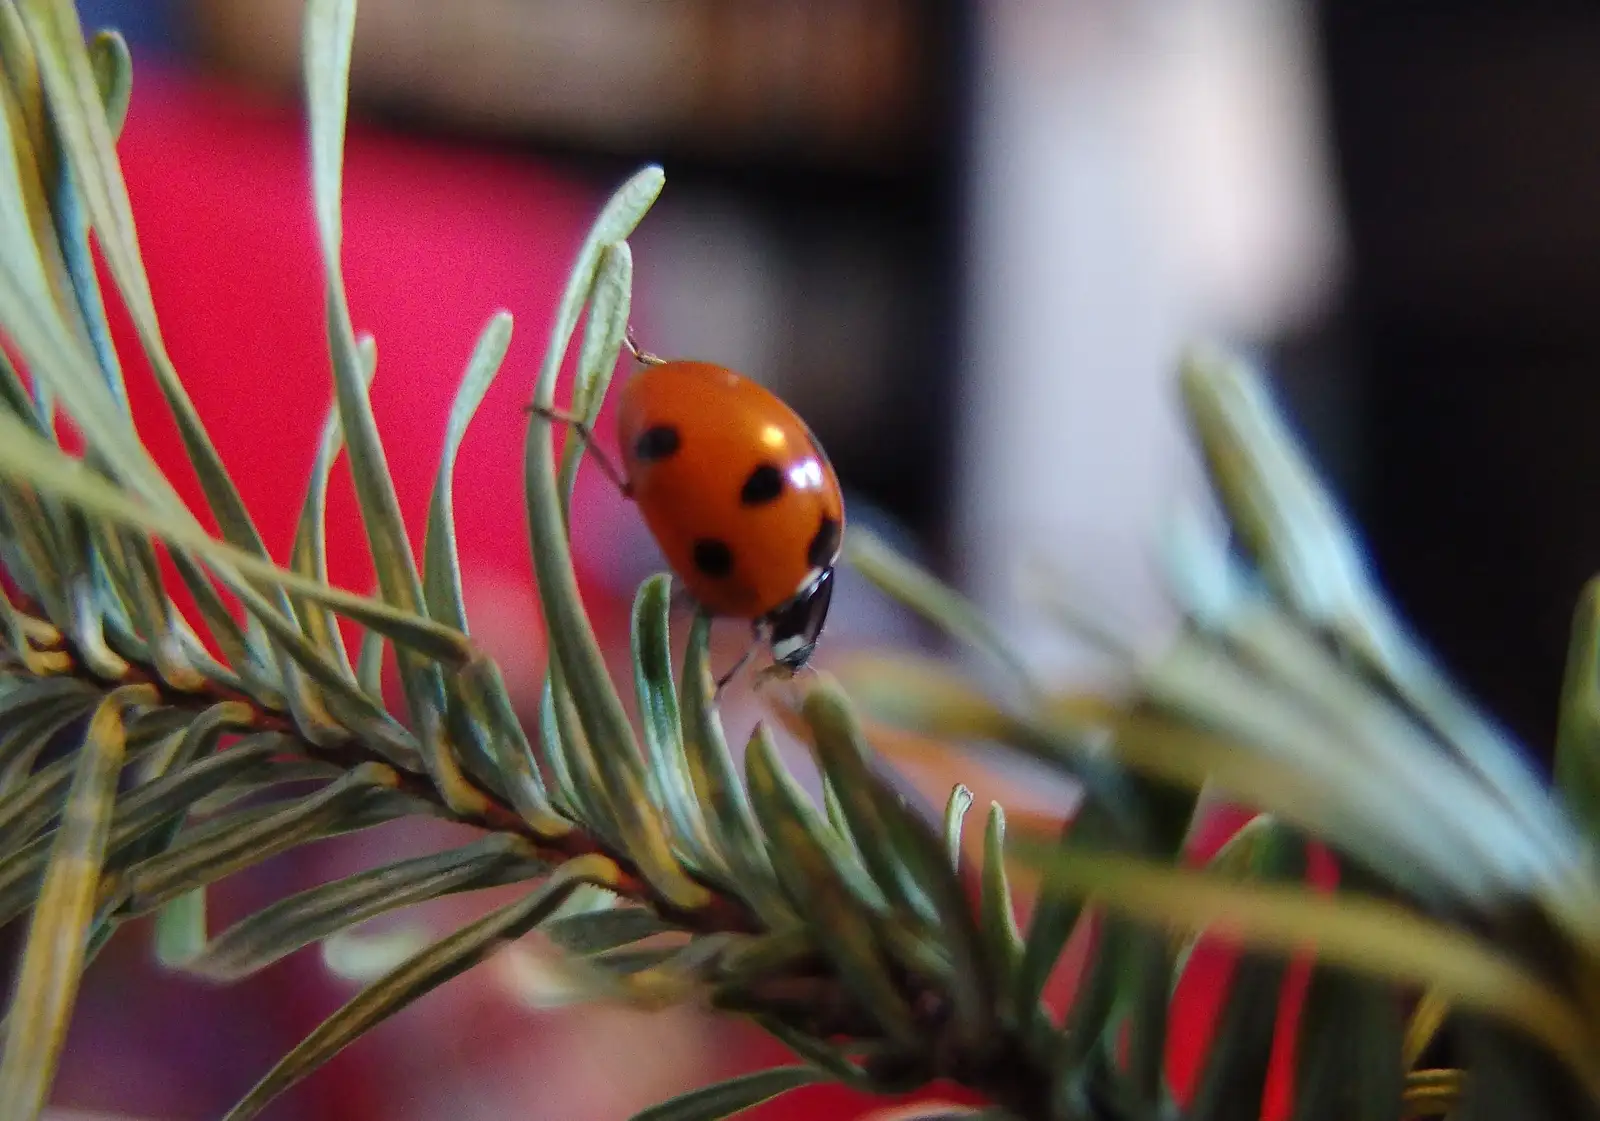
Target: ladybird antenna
[(777, 672)]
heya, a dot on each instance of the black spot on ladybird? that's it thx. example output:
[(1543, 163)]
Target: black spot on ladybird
[(764, 485), (824, 545), (659, 441), (713, 557)]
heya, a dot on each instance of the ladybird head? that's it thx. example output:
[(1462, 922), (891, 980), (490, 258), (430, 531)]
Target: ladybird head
[(796, 625)]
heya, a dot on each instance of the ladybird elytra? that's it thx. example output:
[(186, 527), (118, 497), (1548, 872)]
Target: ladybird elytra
[(737, 493)]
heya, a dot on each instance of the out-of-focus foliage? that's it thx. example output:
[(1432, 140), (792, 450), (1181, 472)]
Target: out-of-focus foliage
[(1468, 909), (145, 754)]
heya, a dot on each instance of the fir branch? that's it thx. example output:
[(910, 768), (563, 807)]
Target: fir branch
[(137, 768)]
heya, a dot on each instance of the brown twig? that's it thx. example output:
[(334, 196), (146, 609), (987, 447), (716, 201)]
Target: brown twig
[(721, 914)]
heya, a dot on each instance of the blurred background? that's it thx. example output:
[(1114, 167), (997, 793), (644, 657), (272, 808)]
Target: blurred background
[(966, 241)]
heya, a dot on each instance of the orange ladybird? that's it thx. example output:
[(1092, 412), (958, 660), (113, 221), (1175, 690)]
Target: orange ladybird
[(737, 493)]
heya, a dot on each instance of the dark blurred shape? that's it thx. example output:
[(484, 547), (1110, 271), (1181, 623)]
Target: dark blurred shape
[(785, 81), (1467, 150)]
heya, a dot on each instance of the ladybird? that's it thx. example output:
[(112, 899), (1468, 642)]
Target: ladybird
[(736, 491)]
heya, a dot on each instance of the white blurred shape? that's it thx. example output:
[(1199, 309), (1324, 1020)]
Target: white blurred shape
[(1144, 173), (1231, 117)]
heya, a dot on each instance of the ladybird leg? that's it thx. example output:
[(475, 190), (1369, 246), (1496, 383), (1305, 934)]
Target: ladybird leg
[(681, 599), (643, 356), (586, 434), (722, 681), (756, 635)]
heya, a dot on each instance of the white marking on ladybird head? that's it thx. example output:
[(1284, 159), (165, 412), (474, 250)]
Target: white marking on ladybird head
[(811, 577), (788, 647)]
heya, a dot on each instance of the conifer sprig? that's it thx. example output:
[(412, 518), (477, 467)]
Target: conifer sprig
[(146, 754)]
